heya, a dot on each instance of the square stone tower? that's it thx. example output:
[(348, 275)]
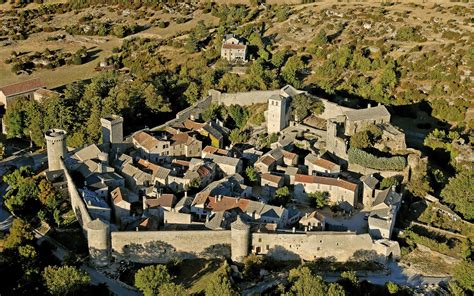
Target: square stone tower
[(112, 129), (278, 113)]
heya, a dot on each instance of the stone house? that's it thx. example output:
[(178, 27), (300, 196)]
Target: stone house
[(383, 214), (214, 150), (233, 50), (157, 206), (341, 192), (26, 88), (358, 120), (58, 179), (318, 165), (369, 185), (136, 179), (103, 183), (121, 200), (270, 183), (265, 164), (313, 221), (228, 165)]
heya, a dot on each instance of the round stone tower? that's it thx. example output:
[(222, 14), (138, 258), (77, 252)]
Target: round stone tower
[(56, 147), (240, 234), (98, 239)]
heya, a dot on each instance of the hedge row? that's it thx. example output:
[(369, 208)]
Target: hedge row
[(365, 159)]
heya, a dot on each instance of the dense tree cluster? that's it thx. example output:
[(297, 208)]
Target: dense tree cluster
[(363, 158), (31, 196)]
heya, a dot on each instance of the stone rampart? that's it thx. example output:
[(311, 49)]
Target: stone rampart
[(340, 246), (162, 246), (77, 203)]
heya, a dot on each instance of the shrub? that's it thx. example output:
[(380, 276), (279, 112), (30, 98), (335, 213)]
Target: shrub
[(360, 157)]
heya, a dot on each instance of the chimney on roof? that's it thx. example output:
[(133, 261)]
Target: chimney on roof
[(369, 105), (185, 194), (293, 230)]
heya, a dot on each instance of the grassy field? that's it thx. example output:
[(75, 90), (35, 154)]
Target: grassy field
[(429, 263), (196, 274)]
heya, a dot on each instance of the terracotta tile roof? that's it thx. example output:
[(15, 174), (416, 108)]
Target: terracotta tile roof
[(201, 198), (203, 171), (145, 140), (234, 46), (271, 178), (22, 87), (146, 165), (226, 203), (329, 165), (267, 160), (289, 155), (165, 200), (325, 180), (181, 162), (215, 150), (192, 125)]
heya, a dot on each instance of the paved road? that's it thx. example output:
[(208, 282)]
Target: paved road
[(96, 276)]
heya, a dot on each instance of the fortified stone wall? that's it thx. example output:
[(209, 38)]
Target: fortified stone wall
[(195, 110), (340, 246), (162, 246), (77, 203), (242, 98)]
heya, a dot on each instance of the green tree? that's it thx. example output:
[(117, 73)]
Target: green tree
[(149, 279), (191, 44), (219, 285), (251, 174), (292, 71), (282, 196), (20, 233), (65, 280), (238, 136), (460, 193), (360, 140), (318, 199), (463, 274), (171, 289), (389, 182), (192, 93), (304, 105), (455, 289), (304, 282), (392, 288)]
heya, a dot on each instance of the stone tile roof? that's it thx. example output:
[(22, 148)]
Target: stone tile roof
[(267, 160), (215, 150), (272, 178), (325, 180), (221, 159), (370, 181), (165, 200), (86, 153), (324, 163), (145, 140), (193, 125), (233, 46), (22, 87), (289, 155), (367, 114)]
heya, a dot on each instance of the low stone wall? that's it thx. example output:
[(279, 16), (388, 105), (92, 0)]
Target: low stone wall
[(77, 203), (162, 246), (242, 98)]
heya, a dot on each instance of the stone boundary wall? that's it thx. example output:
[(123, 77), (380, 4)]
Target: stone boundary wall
[(162, 246), (77, 203), (242, 98), (194, 110)]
